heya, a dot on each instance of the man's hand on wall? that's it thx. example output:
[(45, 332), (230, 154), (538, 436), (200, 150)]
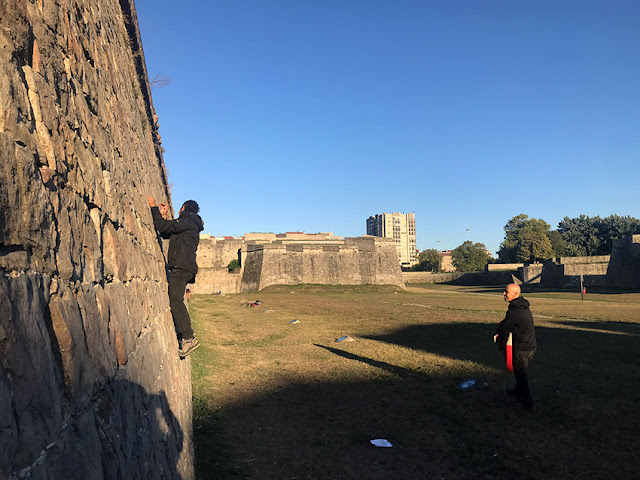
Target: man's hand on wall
[(164, 210), (152, 202)]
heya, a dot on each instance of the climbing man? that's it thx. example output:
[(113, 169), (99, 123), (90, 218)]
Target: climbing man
[(184, 235)]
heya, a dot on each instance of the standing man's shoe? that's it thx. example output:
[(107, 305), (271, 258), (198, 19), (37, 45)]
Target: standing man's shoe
[(188, 346)]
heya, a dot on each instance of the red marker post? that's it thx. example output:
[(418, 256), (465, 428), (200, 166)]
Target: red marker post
[(582, 289)]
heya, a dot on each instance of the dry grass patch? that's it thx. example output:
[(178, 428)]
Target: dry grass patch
[(281, 400)]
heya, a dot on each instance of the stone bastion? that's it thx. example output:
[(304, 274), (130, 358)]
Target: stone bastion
[(264, 262)]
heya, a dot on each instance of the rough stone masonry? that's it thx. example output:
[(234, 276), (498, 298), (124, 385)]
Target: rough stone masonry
[(91, 386)]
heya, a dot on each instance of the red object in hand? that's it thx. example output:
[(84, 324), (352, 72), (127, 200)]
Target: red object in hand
[(508, 352)]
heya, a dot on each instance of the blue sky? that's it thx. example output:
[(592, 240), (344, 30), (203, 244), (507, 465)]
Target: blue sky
[(312, 115)]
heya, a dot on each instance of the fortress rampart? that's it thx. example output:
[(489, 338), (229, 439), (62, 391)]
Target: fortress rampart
[(273, 259), (359, 260), (90, 382), (624, 267)]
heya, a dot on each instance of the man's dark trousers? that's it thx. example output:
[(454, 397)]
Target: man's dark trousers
[(178, 280), (521, 361)]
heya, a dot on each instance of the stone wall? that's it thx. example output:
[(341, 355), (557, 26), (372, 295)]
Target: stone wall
[(214, 253), (217, 280), (584, 260), (624, 267), (494, 267), (430, 277), (531, 273), (91, 385), (213, 257), (499, 277), (567, 274), (359, 260)]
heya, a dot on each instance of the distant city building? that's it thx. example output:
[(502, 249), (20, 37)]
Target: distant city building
[(402, 228), (446, 261)]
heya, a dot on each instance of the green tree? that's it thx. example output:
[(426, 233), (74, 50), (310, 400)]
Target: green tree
[(233, 265), (526, 240), (614, 227), (581, 235), (428, 261), (470, 257), (558, 245)]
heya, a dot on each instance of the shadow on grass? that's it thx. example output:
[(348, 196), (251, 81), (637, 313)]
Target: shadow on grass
[(474, 342), (585, 425), (323, 431), (387, 367), (532, 288), (632, 329)]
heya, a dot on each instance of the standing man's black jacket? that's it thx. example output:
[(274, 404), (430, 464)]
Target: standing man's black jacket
[(184, 236), (519, 321)]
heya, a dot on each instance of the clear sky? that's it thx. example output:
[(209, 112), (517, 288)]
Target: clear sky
[(312, 115)]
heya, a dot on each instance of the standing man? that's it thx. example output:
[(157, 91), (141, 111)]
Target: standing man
[(184, 235), (518, 322)]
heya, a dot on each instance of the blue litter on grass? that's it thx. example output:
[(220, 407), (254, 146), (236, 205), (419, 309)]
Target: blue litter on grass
[(467, 384), (381, 442), (346, 338), (294, 321)]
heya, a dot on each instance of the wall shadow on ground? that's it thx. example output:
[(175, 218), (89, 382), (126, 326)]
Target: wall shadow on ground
[(576, 289), (535, 288), (474, 342), (387, 367), (611, 326), (460, 341), (314, 429)]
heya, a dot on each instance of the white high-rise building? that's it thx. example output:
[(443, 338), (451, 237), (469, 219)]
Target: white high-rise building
[(402, 228)]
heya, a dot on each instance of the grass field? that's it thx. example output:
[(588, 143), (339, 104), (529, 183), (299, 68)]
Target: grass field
[(275, 400)]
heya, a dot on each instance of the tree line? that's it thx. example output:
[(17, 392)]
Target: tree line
[(529, 240)]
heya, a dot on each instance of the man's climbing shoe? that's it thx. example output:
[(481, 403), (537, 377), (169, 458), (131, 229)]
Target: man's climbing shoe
[(188, 346)]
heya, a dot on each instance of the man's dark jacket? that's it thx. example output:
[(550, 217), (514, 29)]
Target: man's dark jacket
[(519, 321), (184, 235)]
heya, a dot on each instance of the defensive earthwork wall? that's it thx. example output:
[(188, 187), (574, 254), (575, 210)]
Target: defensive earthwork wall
[(91, 386)]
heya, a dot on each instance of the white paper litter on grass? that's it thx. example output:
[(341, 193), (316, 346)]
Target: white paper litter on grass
[(381, 442), (294, 321)]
